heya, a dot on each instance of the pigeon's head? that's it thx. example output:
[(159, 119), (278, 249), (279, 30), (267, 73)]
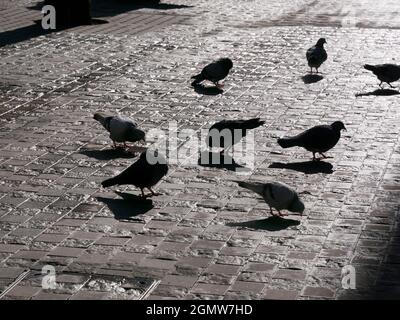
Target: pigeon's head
[(297, 205), (227, 63), (321, 42), (338, 126)]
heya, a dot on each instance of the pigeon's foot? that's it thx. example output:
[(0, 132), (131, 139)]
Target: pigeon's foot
[(219, 85), (154, 193)]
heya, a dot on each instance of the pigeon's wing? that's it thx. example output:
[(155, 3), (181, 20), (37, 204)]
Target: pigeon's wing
[(388, 71), (316, 55), (318, 137), (309, 52), (278, 195), (120, 128), (214, 71)]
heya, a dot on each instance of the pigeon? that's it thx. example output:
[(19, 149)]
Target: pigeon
[(214, 72), (316, 139), (385, 72), (121, 129), (277, 195), (316, 55), (144, 173), (236, 130)]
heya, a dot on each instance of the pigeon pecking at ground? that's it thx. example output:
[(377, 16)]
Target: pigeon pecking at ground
[(316, 139), (277, 195), (385, 72), (146, 172), (316, 55), (214, 72), (121, 129), (235, 130)]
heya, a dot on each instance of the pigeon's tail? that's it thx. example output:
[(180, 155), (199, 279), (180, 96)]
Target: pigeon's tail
[(253, 123), (110, 182), (287, 142), (369, 67), (197, 79), (253, 186), (102, 118)]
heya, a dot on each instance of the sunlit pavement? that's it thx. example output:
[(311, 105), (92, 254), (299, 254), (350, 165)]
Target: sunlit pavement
[(204, 237)]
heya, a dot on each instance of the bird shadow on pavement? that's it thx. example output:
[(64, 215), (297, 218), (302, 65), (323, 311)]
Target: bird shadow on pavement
[(208, 91), (219, 160), (307, 167), (311, 78), (379, 92), (274, 223), (128, 206), (107, 154)]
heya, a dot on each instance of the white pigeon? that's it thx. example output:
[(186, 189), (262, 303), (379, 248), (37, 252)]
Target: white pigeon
[(316, 55), (121, 129), (277, 195)]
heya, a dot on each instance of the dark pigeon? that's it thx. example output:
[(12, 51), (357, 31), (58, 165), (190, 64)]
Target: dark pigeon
[(317, 139), (385, 72), (142, 174), (236, 130), (316, 55), (214, 72)]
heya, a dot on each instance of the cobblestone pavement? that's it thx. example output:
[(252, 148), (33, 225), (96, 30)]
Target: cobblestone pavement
[(204, 238)]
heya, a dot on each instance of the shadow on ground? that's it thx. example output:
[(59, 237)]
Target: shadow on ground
[(311, 78), (379, 92), (307, 167), (273, 223), (207, 90), (128, 207), (107, 154), (98, 8), (219, 160)]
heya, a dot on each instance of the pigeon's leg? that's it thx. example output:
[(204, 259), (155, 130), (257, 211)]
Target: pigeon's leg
[(143, 195), (281, 214), (380, 85), (316, 69), (115, 145), (272, 212), (313, 157), (125, 146), (324, 156), (219, 85), (390, 85), (154, 193), (311, 70)]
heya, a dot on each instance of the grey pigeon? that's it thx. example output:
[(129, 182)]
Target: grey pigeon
[(277, 195), (236, 130), (316, 139), (121, 129), (214, 72), (142, 174), (316, 55), (385, 72)]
